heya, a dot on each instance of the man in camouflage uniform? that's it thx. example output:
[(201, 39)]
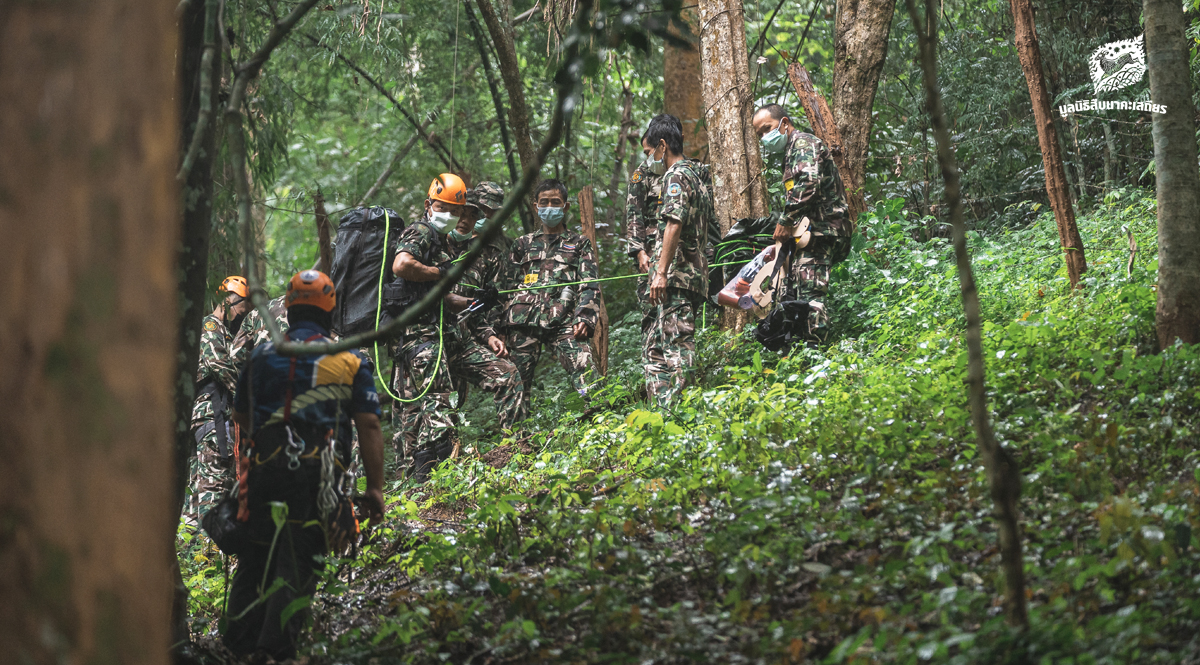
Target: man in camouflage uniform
[(435, 348), (679, 282), (216, 380), (254, 330), (814, 190), (548, 309)]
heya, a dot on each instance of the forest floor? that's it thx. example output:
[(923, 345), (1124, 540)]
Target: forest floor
[(821, 507)]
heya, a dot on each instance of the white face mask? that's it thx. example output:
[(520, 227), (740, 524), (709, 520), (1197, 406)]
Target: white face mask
[(656, 166), (442, 222)]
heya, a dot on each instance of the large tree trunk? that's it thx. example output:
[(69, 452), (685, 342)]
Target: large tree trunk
[(859, 49), (739, 190), (587, 223), (90, 211), (1056, 176), (681, 90), (1004, 478), (1178, 312), (518, 111), (197, 36)]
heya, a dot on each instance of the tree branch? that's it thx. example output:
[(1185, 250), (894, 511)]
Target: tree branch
[(249, 69), (387, 173), (439, 149)]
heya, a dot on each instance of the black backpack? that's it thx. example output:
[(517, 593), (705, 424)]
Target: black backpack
[(359, 256)]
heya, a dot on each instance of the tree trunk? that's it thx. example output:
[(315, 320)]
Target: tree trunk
[(681, 90), (88, 346), (498, 101), (1110, 157), (614, 183), (587, 223), (739, 190), (1177, 315), (1079, 171), (1004, 477), (859, 50), (1056, 176), (510, 72), (324, 247), (196, 200)]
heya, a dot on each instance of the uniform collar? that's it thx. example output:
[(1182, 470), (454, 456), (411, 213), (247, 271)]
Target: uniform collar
[(306, 329)]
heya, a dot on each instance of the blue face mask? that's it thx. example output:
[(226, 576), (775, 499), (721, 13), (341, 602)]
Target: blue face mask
[(479, 225), (552, 217), (774, 142), (458, 237)]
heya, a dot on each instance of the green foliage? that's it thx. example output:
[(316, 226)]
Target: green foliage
[(829, 507)]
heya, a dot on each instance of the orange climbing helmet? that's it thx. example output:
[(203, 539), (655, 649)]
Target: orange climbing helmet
[(448, 188), (235, 284), (311, 287)]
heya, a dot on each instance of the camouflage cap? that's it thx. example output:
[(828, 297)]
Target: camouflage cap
[(487, 195)]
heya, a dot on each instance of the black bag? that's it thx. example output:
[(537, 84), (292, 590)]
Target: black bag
[(222, 525), (740, 244), (785, 326), (358, 257)]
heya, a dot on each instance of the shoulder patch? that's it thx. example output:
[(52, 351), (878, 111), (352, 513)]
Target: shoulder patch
[(210, 326), (636, 177), (674, 189)]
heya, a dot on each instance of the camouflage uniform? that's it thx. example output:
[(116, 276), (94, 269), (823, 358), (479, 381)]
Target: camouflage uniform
[(424, 429), (669, 347), (216, 379), (814, 190), (537, 317), (642, 201), (254, 331), (476, 364)]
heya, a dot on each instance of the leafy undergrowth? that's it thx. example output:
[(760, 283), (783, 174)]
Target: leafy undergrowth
[(824, 507)]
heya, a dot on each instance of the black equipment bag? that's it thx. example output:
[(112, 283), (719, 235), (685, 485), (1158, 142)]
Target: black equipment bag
[(740, 244), (222, 526), (785, 326), (358, 255)]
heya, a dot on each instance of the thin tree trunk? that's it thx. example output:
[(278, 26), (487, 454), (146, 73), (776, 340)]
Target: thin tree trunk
[(681, 89), (1081, 174), (1056, 176), (859, 49), (739, 190), (1177, 315), (1004, 477), (1110, 157), (324, 247), (587, 223), (197, 33), (90, 209), (498, 101), (510, 72), (614, 194)]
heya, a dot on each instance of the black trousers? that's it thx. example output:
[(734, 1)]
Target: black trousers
[(254, 619)]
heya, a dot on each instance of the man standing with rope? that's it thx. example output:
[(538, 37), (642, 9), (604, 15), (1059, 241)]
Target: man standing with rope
[(429, 349)]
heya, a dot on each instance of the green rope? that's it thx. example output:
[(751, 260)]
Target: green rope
[(387, 229)]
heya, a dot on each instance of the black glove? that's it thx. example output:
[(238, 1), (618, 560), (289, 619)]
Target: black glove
[(443, 268), (487, 299)]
